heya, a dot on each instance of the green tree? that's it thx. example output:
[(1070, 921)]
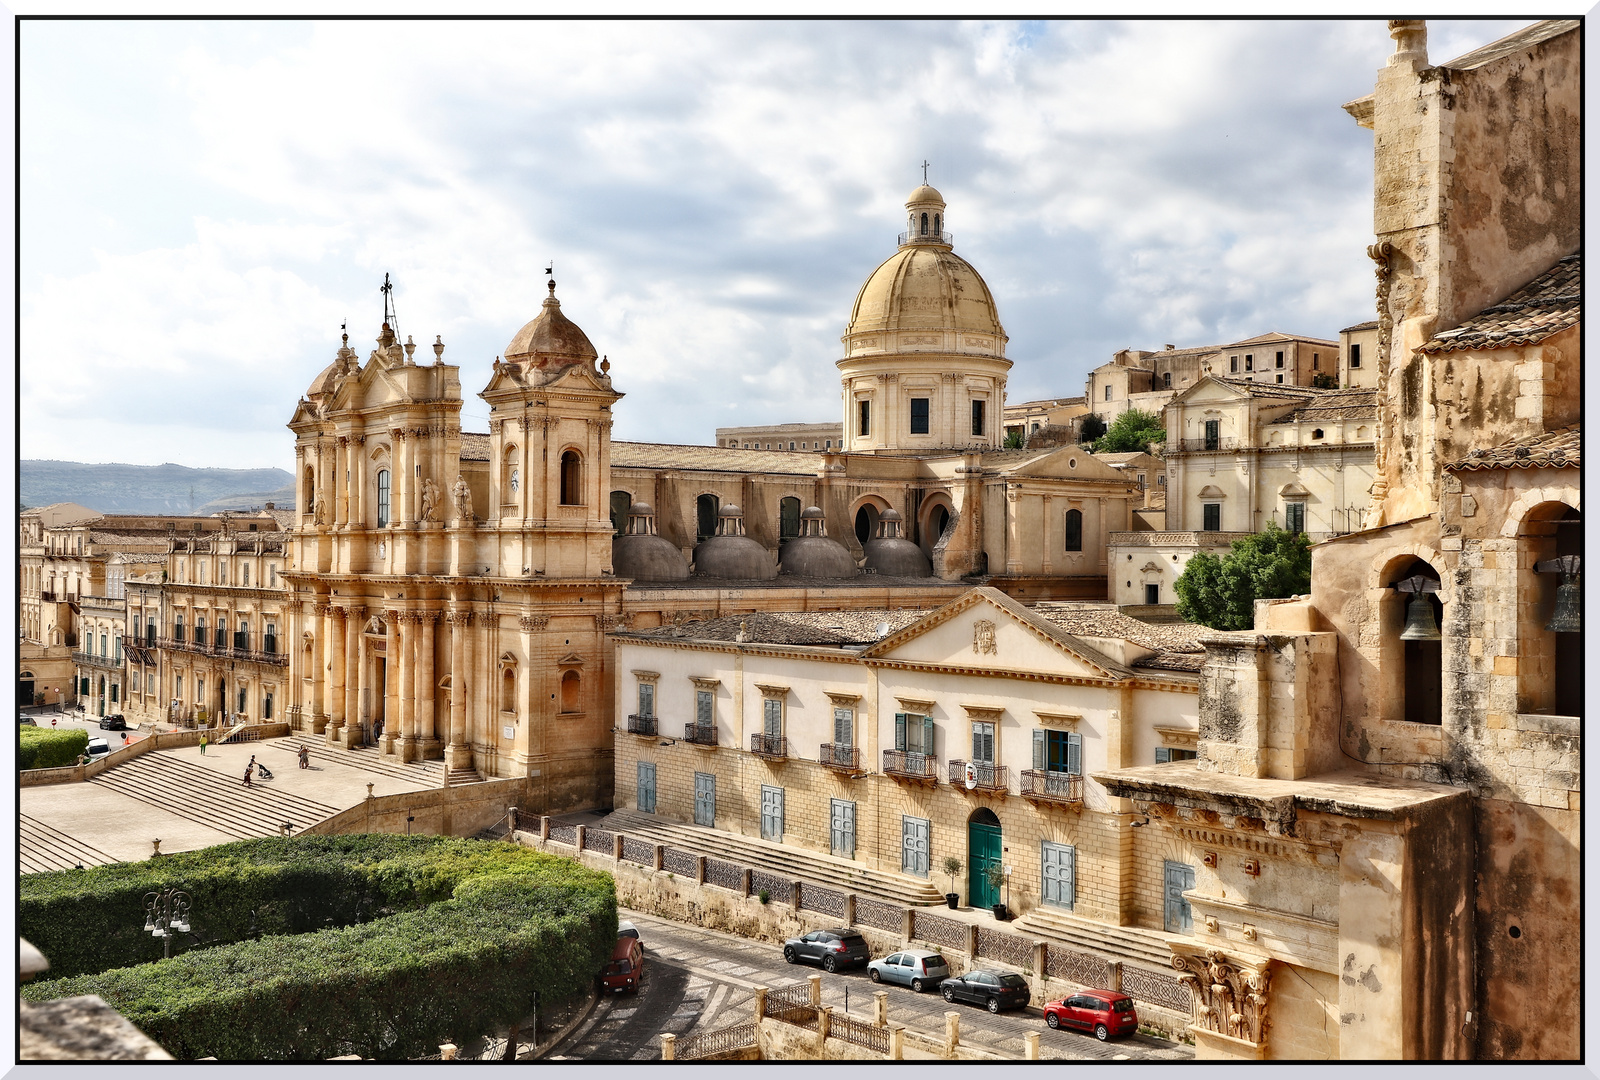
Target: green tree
[(1131, 433), (1221, 593), (1325, 381), (1093, 427), (1014, 439)]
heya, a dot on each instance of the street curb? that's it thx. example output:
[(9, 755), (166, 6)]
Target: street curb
[(555, 1040)]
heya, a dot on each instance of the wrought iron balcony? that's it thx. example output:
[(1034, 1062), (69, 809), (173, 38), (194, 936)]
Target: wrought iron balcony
[(772, 746), (985, 775), (944, 237), (642, 725), (94, 660), (1230, 442), (700, 734), (1056, 787), (841, 756), (909, 766)]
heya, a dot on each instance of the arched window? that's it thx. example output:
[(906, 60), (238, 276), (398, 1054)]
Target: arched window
[(788, 519), (705, 514), (571, 479), (311, 490), (1073, 530), (936, 225), (1420, 657), (620, 501), (508, 690), (924, 224), (383, 498), (1549, 649), (571, 692), (866, 523)]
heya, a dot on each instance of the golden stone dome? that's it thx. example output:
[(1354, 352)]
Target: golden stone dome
[(925, 194), (551, 337), (925, 287)]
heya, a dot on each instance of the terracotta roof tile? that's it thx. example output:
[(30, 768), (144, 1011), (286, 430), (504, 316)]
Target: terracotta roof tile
[(474, 446), (837, 628), (1548, 304), (1562, 448), (634, 455), (1102, 619), (1354, 404)]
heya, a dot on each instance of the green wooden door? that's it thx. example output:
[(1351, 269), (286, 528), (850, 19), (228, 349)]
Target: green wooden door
[(983, 851)]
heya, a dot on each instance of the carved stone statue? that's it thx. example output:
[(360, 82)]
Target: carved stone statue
[(462, 494), (320, 517), (430, 499)]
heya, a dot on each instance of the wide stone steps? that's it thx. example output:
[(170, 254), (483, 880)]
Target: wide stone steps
[(217, 800), (367, 758), (791, 863), (468, 775), (43, 847), (1127, 943)]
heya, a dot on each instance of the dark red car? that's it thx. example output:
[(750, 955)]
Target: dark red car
[(1105, 1012)]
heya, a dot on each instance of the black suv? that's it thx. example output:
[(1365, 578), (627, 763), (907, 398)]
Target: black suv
[(836, 948), (994, 990), (113, 722)]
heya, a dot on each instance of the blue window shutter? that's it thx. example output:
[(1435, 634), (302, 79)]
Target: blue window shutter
[(927, 735), (1038, 749), (1163, 755), (900, 731), (1075, 753)]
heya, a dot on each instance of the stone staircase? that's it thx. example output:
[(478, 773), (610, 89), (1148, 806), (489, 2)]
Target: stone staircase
[(1147, 948), (468, 775), (43, 847), (792, 863), (217, 800), (366, 758)]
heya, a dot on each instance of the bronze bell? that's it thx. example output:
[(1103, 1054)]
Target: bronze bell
[(1419, 621), (1568, 615)]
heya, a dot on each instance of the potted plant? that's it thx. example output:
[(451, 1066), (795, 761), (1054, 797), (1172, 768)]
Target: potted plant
[(952, 866), (995, 874)]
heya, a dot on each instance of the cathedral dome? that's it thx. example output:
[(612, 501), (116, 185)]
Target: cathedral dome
[(925, 287), (642, 554), (731, 554), (891, 555), (552, 339)]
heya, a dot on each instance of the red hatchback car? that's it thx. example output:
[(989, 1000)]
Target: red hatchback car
[(1105, 1012)]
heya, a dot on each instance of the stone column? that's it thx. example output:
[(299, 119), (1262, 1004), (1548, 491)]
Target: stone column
[(525, 507), (407, 690), (457, 754), (358, 481), (319, 638), (1045, 522), (427, 693), (391, 680), (399, 478), (336, 649), (340, 496), (355, 616)]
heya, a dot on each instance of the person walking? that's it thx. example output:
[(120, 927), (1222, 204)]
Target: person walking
[(248, 769), (202, 744), (305, 757)]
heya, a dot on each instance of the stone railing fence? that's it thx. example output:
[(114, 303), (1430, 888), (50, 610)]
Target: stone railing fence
[(908, 924)]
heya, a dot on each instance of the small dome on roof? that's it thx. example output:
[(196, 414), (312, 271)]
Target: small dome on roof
[(811, 512), (730, 510), (551, 339), (890, 515), (640, 508), (924, 194)]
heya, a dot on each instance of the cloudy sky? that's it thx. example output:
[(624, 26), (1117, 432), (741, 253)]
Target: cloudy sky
[(204, 203)]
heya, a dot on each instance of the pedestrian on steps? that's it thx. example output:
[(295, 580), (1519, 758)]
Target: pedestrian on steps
[(305, 757), (248, 769)]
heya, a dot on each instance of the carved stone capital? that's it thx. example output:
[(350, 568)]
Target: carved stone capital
[(459, 617), (356, 611), (534, 622), (1230, 994)]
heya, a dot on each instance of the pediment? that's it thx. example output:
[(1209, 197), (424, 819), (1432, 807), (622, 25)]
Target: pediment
[(570, 660), (987, 630), (1068, 463), (1209, 389)]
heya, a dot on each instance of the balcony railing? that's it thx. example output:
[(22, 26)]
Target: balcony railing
[(47, 596), (260, 656), (642, 725), (772, 746), (945, 237), (911, 766), (95, 660), (700, 734), (985, 775), (1230, 442), (841, 756), (1056, 787)]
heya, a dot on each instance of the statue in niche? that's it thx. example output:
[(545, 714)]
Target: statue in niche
[(462, 494), (320, 517), (430, 499)]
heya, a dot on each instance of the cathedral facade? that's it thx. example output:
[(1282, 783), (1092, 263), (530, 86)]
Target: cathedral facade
[(451, 592)]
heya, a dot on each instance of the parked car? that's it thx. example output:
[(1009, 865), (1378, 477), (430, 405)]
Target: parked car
[(841, 947), (626, 929), (994, 990), (626, 967), (97, 749), (917, 968), (113, 722), (28, 721), (1107, 1013)]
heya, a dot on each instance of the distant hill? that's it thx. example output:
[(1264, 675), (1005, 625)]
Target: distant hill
[(151, 489)]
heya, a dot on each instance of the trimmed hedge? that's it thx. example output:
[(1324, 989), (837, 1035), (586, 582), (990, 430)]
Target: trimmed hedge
[(470, 932), (50, 748)]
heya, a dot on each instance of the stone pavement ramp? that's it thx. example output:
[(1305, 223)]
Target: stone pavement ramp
[(212, 798), (41, 847)]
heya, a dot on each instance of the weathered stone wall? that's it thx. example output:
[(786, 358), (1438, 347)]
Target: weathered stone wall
[(1438, 944), (1268, 705), (1303, 1024)]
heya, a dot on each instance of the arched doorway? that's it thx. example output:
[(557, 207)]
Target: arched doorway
[(25, 688), (984, 849)]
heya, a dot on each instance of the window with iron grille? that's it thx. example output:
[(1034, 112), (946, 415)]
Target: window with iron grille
[(1212, 517)]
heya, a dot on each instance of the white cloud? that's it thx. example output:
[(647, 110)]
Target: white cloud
[(712, 194)]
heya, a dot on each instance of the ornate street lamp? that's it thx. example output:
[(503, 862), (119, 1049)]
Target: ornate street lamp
[(166, 914)]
